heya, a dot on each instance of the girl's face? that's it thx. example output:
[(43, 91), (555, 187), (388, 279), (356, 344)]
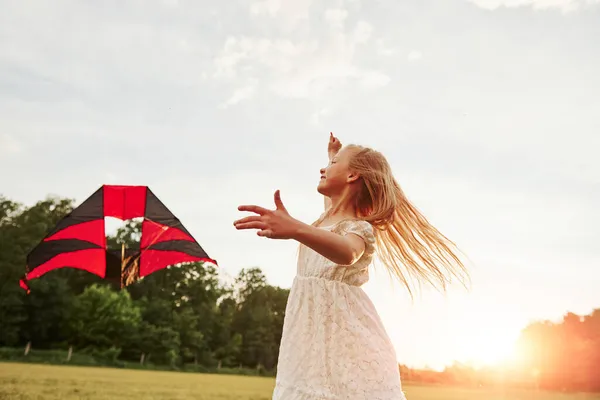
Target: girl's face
[(337, 176)]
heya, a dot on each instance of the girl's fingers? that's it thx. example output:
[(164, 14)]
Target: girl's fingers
[(265, 233), (252, 218), (255, 209), (251, 225)]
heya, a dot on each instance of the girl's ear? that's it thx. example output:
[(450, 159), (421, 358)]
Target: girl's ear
[(352, 177)]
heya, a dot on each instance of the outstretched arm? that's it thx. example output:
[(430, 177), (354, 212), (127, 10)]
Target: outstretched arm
[(278, 224)]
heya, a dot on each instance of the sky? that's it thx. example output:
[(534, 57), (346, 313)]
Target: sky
[(487, 110)]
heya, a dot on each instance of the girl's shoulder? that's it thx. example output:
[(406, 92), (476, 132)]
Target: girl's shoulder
[(355, 225), (359, 227)]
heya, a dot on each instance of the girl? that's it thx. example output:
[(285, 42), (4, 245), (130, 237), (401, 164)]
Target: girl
[(334, 345)]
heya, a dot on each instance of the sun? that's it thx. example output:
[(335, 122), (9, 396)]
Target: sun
[(488, 347)]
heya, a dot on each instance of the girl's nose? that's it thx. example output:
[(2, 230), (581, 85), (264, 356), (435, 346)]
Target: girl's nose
[(322, 171)]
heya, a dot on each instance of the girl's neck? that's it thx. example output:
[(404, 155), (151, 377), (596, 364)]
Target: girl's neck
[(340, 209)]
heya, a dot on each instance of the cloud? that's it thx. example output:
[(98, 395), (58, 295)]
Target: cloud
[(240, 54), (414, 55), (363, 32), (382, 48), (240, 94), (171, 3), (286, 15), (268, 7), (336, 17), (374, 79), (111, 178), (9, 144), (299, 66), (318, 115), (564, 5)]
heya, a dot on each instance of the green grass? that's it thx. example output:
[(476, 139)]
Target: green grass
[(37, 382)]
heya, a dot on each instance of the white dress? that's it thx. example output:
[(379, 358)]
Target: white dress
[(334, 345)]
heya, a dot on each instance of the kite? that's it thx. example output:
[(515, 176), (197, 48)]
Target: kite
[(79, 240)]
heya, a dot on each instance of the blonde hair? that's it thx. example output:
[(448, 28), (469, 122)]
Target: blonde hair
[(407, 243)]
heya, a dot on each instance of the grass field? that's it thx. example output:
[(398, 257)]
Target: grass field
[(42, 382)]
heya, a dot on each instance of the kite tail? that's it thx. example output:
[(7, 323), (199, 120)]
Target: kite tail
[(24, 286)]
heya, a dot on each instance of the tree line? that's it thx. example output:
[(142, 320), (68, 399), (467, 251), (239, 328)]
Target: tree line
[(190, 315)]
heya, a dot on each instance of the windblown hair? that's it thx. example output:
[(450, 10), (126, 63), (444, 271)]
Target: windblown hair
[(407, 243)]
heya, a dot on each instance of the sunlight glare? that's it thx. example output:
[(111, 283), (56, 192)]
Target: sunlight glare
[(491, 349)]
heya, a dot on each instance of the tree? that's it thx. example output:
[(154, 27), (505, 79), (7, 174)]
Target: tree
[(564, 355), (39, 316), (102, 318), (11, 255), (225, 341), (47, 311), (259, 319)]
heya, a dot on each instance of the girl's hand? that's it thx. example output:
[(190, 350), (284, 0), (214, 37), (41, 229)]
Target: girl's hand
[(334, 146), (273, 224)]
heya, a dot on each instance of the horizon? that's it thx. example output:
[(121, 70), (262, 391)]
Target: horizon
[(486, 110)]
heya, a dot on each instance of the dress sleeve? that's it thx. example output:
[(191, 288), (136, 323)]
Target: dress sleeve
[(362, 229)]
